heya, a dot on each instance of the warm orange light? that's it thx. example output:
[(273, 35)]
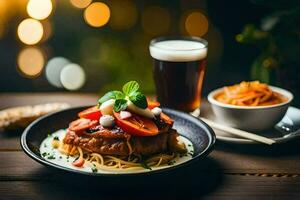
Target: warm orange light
[(196, 24), (39, 9), (97, 14), (123, 14), (80, 3), (31, 61), (30, 31), (156, 20)]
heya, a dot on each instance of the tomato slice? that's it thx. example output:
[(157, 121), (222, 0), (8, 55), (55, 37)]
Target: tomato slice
[(82, 124), (78, 163), (137, 125), (152, 104), (92, 113), (166, 119)]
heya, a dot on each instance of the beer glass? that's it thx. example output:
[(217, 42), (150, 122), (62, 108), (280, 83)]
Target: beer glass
[(178, 71)]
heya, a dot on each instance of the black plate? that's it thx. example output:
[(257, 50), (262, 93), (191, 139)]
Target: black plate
[(201, 135)]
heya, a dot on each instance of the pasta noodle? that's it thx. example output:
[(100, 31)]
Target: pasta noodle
[(109, 162), (251, 93)]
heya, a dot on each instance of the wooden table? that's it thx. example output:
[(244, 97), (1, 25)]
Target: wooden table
[(229, 172)]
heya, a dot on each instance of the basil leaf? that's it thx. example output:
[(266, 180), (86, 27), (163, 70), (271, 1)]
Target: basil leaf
[(120, 104), (130, 87), (111, 95), (138, 99)]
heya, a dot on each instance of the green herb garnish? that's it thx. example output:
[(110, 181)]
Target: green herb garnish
[(94, 170), (56, 138), (111, 95), (44, 154), (120, 104), (51, 157), (172, 162), (129, 93)]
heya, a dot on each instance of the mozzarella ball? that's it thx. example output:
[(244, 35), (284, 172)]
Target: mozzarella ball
[(156, 111), (107, 121), (125, 114)]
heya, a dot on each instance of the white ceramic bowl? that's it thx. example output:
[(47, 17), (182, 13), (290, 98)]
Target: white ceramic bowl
[(256, 118)]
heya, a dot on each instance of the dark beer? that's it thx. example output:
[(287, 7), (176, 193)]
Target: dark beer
[(178, 71)]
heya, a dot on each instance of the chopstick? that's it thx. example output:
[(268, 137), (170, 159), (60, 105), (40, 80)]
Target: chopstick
[(238, 132)]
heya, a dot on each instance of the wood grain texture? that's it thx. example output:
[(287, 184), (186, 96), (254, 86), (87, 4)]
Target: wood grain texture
[(20, 99), (16, 165), (234, 187)]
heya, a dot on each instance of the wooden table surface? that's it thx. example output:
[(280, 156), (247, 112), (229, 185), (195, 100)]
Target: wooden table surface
[(229, 172)]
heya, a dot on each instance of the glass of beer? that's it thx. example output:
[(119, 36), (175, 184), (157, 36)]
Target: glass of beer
[(178, 71)]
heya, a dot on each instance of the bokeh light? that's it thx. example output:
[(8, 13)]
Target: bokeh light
[(196, 24), (97, 14), (30, 31), (39, 9), (47, 26), (156, 20), (72, 76), (53, 70), (31, 62), (123, 14), (80, 3)]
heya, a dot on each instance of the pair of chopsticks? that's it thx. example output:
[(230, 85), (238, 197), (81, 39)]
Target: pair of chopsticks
[(240, 133)]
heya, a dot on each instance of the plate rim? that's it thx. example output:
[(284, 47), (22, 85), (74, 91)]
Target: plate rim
[(210, 133)]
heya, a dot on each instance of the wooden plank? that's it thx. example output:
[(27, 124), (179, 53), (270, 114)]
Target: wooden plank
[(10, 140), (237, 162), (18, 166), (230, 187), (19, 99)]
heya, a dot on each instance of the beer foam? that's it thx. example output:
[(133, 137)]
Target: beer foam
[(178, 50)]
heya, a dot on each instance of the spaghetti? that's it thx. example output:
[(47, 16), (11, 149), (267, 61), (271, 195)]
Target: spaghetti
[(251, 93), (109, 162)]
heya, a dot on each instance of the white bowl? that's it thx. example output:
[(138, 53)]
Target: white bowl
[(256, 118)]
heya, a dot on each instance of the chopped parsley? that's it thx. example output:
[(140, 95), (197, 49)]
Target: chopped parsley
[(172, 162), (44, 154), (56, 138), (94, 170), (51, 157)]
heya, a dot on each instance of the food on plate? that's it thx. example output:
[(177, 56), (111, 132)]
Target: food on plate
[(20, 117), (125, 131), (251, 93)]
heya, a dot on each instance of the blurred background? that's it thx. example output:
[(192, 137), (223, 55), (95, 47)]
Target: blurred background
[(92, 46)]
